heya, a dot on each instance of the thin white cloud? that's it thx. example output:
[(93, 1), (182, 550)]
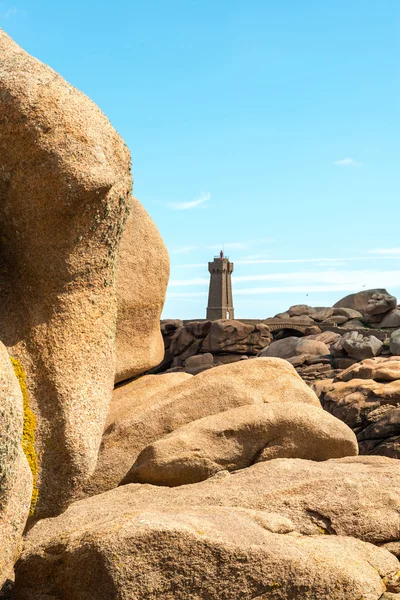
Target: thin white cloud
[(326, 262), (183, 249), (385, 251), (347, 162), (198, 203), (357, 279), (229, 246), (8, 12)]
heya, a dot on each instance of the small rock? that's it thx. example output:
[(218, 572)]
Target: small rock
[(395, 343), (196, 364), (361, 347), (347, 312)]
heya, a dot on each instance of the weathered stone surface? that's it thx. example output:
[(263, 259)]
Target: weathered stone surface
[(360, 347), (197, 364), (149, 542), (313, 347), (212, 553), (302, 320), (353, 324), (128, 399), (336, 320), (391, 318), (65, 190), (143, 272), (347, 312), (188, 340), (359, 301), (292, 346), (226, 359), (344, 362), (355, 496), (252, 381), (379, 368), (379, 304), (301, 309), (15, 475), (321, 314), (327, 337), (368, 406), (395, 343), (237, 438), (284, 348), (234, 336)]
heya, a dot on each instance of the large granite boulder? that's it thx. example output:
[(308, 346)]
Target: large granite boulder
[(360, 300), (142, 279), (294, 346), (256, 381), (273, 530), (15, 474), (237, 438), (366, 397), (65, 189), (127, 400)]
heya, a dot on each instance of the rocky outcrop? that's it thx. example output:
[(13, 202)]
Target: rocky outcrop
[(65, 188), (15, 475), (143, 273), (366, 397), (237, 438), (255, 533), (226, 339), (256, 381), (357, 346), (360, 300), (369, 308)]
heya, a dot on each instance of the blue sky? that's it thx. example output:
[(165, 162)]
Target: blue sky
[(270, 127)]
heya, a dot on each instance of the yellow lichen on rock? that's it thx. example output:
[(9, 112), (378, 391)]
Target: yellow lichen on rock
[(28, 435)]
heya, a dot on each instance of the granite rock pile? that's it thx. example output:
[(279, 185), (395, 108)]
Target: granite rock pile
[(370, 308), (199, 345), (366, 397)]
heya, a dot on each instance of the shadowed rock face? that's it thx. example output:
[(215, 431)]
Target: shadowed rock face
[(65, 191), (15, 476), (142, 280)]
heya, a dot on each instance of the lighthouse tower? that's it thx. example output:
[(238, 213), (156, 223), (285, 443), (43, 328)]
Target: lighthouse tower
[(220, 303)]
